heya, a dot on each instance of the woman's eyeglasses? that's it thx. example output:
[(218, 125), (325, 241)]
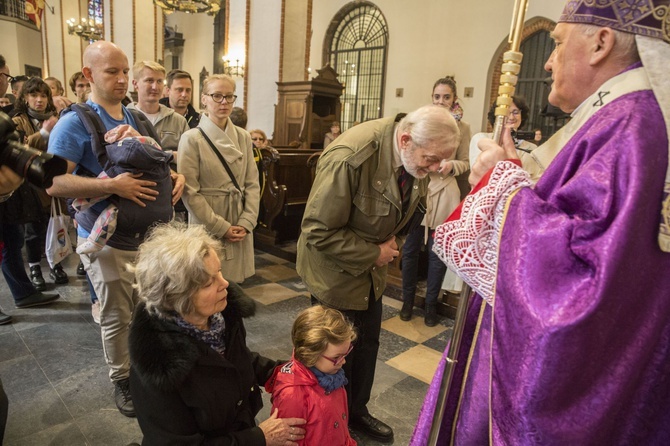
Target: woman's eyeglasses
[(258, 139), (339, 359), (218, 97)]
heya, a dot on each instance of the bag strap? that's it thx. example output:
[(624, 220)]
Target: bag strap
[(223, 161), (56, 207), (95, 128), (144, 126)]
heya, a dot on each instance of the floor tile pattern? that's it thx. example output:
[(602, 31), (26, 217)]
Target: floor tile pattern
[(52, 366)]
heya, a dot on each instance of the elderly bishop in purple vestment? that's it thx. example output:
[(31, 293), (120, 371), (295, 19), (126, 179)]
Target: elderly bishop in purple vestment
[(568, 337)]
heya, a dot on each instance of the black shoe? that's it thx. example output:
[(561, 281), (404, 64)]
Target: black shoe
[(373, 428), (406, 312), (430, 319), (37, 279), (58, 275), (35, 300), (5, 318), (123, 399), (80, 269)]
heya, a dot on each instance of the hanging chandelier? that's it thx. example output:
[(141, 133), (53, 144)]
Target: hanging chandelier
[(211, 7), (87, 29)]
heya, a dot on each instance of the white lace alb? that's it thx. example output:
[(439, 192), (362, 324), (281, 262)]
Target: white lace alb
[(469, 245)]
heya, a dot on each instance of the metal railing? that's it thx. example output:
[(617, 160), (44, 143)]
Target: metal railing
[(14, 8)]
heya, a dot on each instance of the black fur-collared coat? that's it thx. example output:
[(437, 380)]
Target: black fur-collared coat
[(187, 394)]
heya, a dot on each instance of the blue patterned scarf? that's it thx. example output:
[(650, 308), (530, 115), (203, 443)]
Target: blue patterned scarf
[(214, 337)]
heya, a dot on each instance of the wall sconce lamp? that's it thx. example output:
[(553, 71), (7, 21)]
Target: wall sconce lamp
[(235, 70)]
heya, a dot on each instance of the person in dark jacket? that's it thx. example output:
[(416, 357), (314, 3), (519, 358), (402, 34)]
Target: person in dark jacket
[(35, 116), (179, 93), (193, 378)]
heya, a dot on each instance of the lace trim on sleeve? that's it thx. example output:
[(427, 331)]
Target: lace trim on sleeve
[(469, 245)]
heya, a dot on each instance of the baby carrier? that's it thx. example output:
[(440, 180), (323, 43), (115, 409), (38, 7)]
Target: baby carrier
[(133, 155)]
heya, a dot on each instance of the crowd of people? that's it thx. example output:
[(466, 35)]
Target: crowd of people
[(551, 237)]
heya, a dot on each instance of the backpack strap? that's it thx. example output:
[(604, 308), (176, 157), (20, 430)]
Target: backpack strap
[(95, 127), (144, 126)]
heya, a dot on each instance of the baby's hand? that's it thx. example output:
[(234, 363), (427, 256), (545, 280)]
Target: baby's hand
[(120, 132)]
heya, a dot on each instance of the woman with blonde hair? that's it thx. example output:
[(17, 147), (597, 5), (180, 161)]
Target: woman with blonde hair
[(222, 190)]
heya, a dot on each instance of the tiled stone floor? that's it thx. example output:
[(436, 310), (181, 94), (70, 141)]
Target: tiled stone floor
[(52, 366)]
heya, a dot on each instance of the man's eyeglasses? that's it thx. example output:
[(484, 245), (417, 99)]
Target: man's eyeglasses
[(218, 97), (9, 78), (339, 359), (258, 139)]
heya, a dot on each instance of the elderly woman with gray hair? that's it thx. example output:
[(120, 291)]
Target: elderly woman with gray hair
[(193, 378)]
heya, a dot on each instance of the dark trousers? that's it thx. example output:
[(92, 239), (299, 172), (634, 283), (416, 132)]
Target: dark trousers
[(36, 234), (13, 267), (410, 267), (362, 361)]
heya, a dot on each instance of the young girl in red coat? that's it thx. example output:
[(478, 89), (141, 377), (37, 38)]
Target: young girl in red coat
[(311, 385)]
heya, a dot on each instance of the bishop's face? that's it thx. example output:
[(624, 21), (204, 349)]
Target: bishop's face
[(568, 64)]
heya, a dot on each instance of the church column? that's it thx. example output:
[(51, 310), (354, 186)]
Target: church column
[(296, 32)]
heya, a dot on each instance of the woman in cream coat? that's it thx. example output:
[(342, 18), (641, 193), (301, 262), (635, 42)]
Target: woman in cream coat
[(443, 197), (210, 195)]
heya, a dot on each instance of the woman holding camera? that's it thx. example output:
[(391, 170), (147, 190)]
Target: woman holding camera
[(34, 116), (17, 206), (518, 113)]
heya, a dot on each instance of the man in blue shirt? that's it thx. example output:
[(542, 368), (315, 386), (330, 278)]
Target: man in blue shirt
[(106, 68)]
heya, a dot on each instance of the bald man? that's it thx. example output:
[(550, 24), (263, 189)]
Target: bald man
[(106, 68)]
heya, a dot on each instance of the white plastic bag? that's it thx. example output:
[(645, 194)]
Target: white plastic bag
[(58, 243)]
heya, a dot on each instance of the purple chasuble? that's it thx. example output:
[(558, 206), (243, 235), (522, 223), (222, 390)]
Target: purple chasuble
[(580, 349)]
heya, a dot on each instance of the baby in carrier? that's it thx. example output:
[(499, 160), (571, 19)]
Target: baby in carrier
[(123, 218), (131, 154)]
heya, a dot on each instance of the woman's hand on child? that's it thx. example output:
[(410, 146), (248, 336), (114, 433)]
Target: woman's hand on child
[(282, 431)]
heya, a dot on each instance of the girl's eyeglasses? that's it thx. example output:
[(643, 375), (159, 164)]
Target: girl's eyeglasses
[(339, 359)]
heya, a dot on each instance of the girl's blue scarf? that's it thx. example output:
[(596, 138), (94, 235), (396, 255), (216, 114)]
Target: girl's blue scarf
[(330, 382)]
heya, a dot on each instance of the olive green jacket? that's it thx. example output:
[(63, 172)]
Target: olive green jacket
[(354, 205)]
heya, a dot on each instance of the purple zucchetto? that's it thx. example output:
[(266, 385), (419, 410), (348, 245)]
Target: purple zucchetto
[(643, 17)]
